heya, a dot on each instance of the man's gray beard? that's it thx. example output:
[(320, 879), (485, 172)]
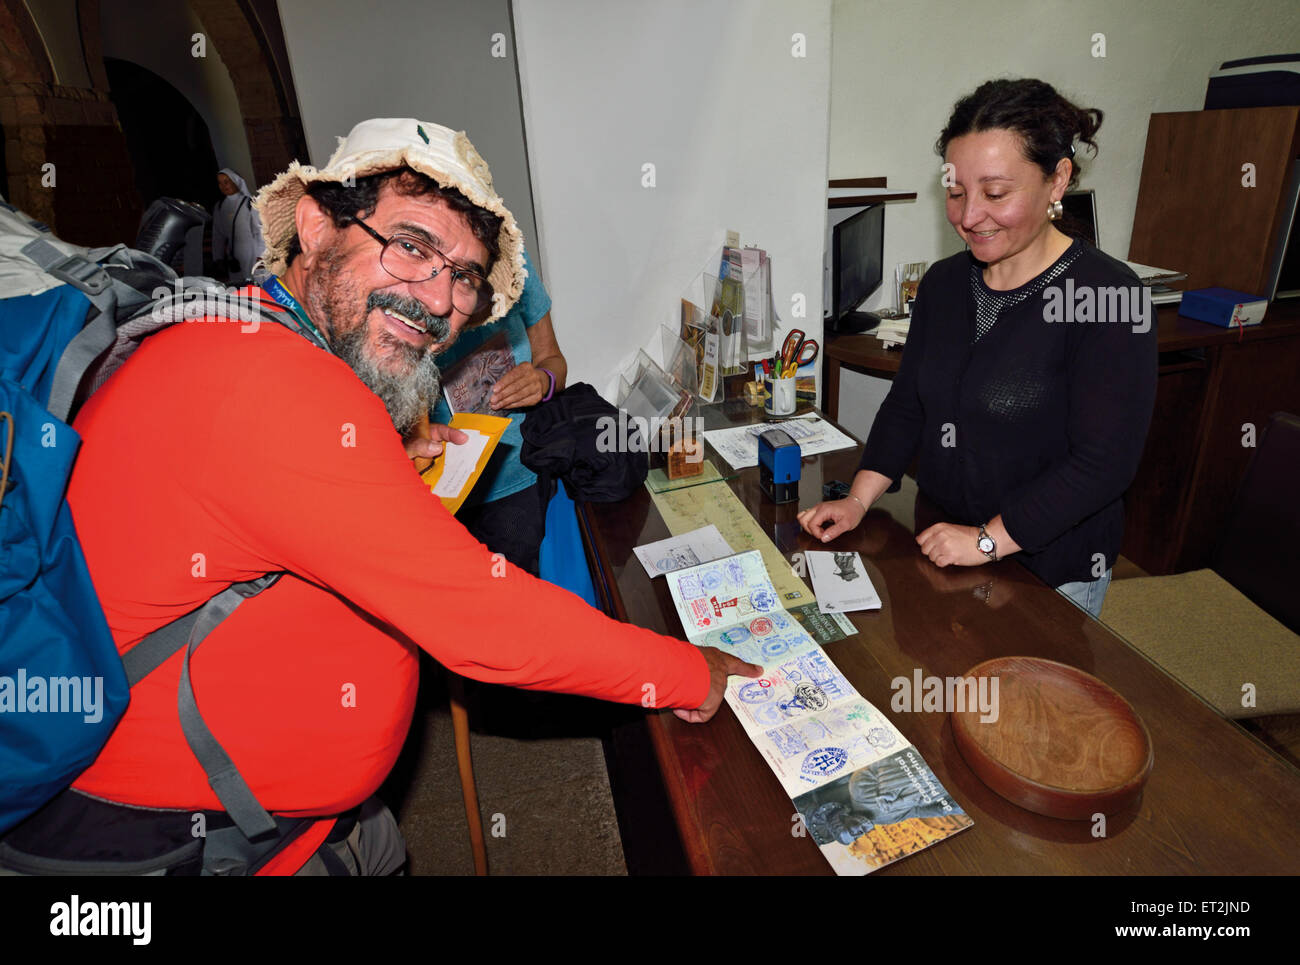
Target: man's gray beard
[(408, 395)]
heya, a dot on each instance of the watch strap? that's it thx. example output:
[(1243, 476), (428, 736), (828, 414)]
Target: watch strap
[(984, 535)]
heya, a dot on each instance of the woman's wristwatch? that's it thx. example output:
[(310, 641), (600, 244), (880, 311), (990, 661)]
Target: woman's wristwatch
[(986, 545)]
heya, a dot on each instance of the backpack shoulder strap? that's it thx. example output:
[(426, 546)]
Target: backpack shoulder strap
[(155, 649), (186, 633), (110, 297)]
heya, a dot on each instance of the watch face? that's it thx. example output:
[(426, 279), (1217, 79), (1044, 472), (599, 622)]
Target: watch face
[(986, 544)]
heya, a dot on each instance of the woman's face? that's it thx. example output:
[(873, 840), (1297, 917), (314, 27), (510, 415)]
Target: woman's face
[(226, 185), (997, 200)]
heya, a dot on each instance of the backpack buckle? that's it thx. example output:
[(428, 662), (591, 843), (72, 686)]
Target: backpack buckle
[(77, 270), (81, 273)]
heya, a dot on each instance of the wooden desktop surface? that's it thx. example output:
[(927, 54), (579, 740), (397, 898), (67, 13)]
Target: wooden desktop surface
[(1218, 801)]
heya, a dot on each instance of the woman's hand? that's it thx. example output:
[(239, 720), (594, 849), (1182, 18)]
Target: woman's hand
[(522, 386), (947, 544), (825, 521)]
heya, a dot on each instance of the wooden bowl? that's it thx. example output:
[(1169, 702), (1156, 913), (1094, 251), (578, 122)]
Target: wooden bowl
[(1064, 744)]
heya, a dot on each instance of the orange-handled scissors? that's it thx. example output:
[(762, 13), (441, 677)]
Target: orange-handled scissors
[(796, 350)]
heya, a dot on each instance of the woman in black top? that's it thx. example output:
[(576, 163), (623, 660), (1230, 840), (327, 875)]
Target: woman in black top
[(1028, 377)]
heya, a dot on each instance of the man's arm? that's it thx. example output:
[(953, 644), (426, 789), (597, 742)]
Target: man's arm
[(330, 496)]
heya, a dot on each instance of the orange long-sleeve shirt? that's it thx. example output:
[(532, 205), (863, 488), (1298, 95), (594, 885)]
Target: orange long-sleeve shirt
[(216, 455)]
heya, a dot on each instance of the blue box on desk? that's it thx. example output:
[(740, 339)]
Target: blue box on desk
[(1223, 307), (778, 466)]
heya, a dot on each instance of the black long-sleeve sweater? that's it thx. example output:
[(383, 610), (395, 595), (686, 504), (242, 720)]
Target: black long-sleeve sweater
[(1043, 421)]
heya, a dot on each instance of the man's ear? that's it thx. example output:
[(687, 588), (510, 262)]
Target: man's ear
[(315, 227)]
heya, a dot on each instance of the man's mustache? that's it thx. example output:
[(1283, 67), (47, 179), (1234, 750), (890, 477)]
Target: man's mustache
[(435, 325)]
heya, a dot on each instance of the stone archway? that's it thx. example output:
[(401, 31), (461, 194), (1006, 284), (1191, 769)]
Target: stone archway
[(275, 135), (25, 82), (89, 194), (66, 158)]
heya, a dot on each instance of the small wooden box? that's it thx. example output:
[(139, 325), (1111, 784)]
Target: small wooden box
[(686, 458)]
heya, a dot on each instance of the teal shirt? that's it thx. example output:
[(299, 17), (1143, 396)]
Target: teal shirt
[(505, 474)]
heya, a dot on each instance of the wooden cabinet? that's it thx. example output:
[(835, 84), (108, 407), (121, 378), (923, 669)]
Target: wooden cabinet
[(1195, 210), (1216, 392)]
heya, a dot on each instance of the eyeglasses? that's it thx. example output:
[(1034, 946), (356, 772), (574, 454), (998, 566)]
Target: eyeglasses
[(408, 258)]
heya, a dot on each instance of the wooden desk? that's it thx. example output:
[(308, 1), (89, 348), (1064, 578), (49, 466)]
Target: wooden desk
[(1218, 801), (1212, 382)]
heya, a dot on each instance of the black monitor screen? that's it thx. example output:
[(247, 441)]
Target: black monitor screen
[(1079, 218), (859, 250)]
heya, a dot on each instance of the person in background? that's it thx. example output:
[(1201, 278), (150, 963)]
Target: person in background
[(236, 230), (1027, 431), (505, 368)]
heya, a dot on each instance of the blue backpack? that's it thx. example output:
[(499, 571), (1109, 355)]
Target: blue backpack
[(69, 319)]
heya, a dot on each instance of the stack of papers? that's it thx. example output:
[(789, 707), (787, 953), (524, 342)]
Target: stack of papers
[(800, 430), (739, 445), (1149, 275), (892, 332)]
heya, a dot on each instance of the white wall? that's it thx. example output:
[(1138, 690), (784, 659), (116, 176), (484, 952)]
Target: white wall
[(156, 34), (429, 59), (735, 125), (898, 68)]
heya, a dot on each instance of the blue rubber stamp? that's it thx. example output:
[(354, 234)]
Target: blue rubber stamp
[(778, 466)]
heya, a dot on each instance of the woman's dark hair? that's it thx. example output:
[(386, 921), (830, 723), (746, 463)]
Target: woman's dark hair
[(1046, 123), (346, 203)]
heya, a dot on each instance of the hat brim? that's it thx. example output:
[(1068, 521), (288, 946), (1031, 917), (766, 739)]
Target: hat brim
[(277, 204)]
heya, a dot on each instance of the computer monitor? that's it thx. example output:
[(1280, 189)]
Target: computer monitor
[(1079, 219), (857, 265)]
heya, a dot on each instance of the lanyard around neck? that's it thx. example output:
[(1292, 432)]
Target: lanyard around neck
[(282, 296)]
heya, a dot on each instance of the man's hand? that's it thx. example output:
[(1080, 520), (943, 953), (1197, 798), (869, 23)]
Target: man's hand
[(947, 544), (521, 387), (427, 441), (825, 521), (721, 666)]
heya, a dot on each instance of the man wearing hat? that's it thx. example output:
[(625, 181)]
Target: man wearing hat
[(218, 454)]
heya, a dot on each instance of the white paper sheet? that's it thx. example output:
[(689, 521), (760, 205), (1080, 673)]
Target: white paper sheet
[(739, 445), (678, 552), (840, 582), (461, 460)]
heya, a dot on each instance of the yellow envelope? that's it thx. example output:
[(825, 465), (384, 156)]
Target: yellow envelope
[(490, 426)]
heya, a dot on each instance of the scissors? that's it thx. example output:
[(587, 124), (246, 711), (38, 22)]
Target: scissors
[(796, 350)]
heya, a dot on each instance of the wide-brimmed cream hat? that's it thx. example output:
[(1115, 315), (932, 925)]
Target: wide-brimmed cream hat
[(384, 144)]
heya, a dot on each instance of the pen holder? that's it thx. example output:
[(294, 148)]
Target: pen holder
[(779, 396)]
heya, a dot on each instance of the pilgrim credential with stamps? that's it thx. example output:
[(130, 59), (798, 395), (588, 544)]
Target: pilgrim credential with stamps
[(864, 793)]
